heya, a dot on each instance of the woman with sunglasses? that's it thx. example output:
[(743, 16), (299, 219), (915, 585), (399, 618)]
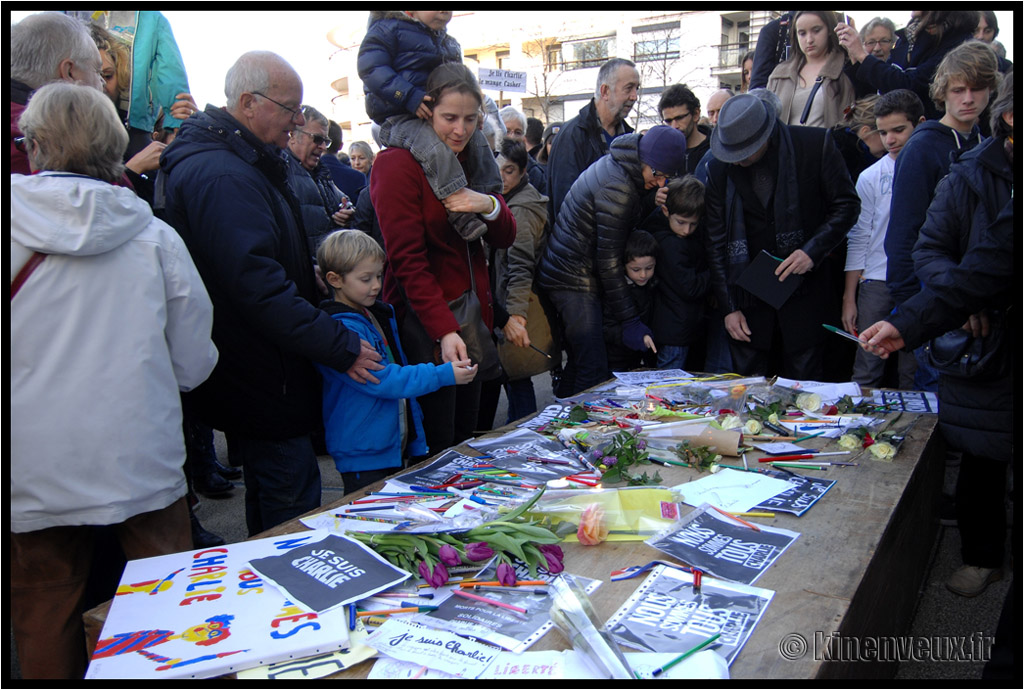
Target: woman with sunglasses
[(325, 208)]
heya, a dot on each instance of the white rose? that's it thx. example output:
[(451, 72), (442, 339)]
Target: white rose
[(809, 401), (752, 426), (882, 451)]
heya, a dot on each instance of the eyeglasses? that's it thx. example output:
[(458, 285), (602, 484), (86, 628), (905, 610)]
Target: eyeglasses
[(295, 113), (878, 42), (677, 118), (318, 139), (19, 143), (655, 173)]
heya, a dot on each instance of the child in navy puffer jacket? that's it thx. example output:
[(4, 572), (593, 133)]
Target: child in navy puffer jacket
[(398, 53)]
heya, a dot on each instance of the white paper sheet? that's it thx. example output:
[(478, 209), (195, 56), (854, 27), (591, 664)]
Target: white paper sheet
[(731, 490)]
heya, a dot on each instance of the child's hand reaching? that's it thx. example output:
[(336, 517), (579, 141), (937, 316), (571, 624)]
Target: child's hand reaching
[(423, 111), (465, 371)]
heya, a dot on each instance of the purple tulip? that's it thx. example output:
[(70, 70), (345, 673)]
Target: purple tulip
[(507, 575), (553, 557), (609, 460), (436, 578), (640, 445), (595, 455), (479, 551), (638, 428), (448, 555)]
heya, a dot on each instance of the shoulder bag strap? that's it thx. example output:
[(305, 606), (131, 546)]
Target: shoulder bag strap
[(810, 99), (31, 265)]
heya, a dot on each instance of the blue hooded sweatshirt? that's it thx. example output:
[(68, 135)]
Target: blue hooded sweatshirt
[(362, 421), (924, 160)]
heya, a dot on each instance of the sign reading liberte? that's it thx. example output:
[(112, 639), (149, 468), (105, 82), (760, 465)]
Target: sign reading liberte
[(502, 80)]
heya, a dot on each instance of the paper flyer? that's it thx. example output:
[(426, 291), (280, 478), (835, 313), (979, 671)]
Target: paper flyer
[(548, 666), (665, 614), (435, 649), (723, 547), (329, 573), (207, 613), (732, 490), (802, 493)]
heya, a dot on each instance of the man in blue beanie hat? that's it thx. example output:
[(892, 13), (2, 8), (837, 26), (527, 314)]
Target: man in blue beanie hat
[(582, 268)]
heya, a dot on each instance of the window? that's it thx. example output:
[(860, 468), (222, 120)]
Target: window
[(591, 53), (553, 59), (656, 48)]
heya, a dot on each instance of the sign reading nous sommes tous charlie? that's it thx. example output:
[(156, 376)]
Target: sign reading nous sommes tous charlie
[(502, 80)]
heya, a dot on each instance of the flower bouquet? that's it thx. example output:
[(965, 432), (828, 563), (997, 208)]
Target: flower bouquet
[(510, 537)]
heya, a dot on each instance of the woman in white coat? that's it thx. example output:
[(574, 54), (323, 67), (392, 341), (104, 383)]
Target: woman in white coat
[(109, 321)]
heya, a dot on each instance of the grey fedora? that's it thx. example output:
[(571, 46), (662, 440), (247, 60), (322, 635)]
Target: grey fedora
[(744, 125)]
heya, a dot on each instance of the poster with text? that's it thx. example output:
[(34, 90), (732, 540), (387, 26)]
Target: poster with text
[(665, 614), (203, 613), (798, 499), (329, 573), (723, 547), (513, 452), (435, 473)]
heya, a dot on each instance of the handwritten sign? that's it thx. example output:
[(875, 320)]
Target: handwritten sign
[(435, 649), (502, 80)]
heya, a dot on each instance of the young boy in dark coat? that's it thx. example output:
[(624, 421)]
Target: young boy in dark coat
[(639, 259), (678, 317)]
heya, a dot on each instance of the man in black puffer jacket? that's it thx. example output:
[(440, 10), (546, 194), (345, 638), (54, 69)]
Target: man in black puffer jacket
[(582, 268), (227, 196)]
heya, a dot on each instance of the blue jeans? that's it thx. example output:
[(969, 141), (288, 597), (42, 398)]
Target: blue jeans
[(719, 356), (587, 362), (522, 400), (672, 356), (282, 479)]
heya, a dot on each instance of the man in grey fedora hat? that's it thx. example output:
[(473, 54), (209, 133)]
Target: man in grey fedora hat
[(786, 191)]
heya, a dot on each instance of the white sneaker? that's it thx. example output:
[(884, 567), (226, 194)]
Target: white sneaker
[(970, 581)]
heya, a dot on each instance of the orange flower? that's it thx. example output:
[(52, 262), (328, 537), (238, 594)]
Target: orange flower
[(592, 528)]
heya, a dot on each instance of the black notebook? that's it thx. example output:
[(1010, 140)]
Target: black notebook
[(759, 279)]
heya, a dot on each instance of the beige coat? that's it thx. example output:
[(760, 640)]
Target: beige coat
[(513, 272), (836, 88)]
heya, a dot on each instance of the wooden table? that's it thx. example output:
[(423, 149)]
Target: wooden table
[(855, 570)]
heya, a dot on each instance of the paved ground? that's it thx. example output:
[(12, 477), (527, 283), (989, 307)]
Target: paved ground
[(939, 612)]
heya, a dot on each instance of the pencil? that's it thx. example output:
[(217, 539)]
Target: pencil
[(702, 645), (388, 612), (798, 466), (804, 438), (492, 602), (495, 583), (764, 515), (738, 519)]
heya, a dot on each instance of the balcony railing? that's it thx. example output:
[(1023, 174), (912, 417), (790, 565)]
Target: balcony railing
[(729, 54)]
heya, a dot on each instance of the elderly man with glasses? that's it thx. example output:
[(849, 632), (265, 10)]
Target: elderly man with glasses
[(227, 195), (325, 208)]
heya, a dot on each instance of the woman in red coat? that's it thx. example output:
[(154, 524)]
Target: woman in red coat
[(428, 261)]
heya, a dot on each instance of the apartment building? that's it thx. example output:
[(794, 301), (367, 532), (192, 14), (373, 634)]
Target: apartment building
[(560, 52)]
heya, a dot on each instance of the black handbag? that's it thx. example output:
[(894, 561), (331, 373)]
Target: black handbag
[(959, 354)]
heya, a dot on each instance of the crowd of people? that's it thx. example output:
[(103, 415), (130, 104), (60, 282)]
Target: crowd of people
[(374, 306)]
